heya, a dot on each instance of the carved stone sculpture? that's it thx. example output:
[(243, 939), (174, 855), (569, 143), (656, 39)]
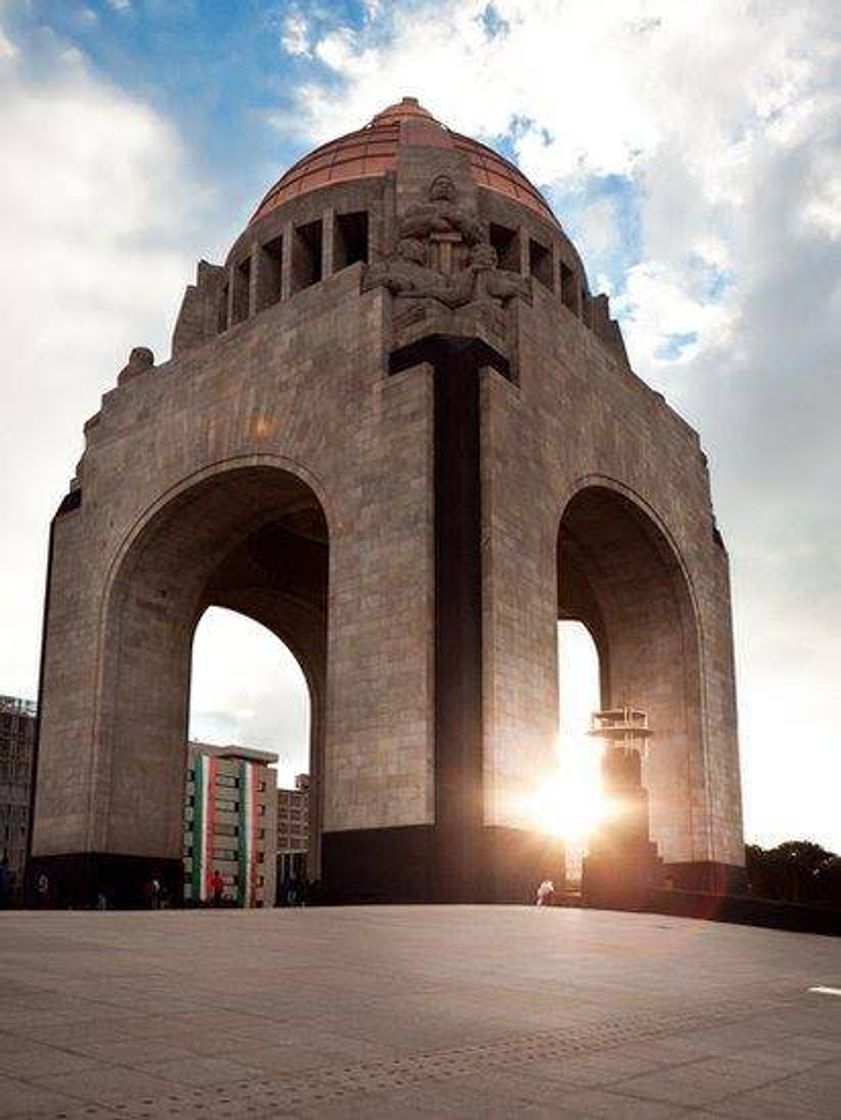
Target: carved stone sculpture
[(441, 215), (421, 266)]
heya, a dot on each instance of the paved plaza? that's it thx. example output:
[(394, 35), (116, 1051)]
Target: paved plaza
[(414, 1011)]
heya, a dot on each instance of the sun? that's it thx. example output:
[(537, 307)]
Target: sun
[(571, 802)]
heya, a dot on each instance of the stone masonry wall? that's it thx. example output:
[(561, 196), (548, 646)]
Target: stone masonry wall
[(301, 385)]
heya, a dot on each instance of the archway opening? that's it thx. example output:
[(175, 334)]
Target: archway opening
[(581, 803), (248, 688), (249, 721), (251, 539), (620, 577)]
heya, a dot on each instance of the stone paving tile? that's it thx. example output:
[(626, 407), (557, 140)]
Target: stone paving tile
[(123, 1051), (815, 1095), (284, 1058), (20, 1099), (588, 1069), (702, 1083), (614, 1105), (781, 1060), (437, 1101), (66, 1035), (199, 1071), (674, 1050), (42, 1061), (106, 1085)]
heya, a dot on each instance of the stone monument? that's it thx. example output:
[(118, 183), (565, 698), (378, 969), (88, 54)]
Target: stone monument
[(399, 430)]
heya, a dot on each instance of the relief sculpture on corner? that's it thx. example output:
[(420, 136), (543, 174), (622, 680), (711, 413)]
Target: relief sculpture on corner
[(443, 254)]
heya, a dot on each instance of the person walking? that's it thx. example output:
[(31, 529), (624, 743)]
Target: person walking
[(546, 893), (217, 887), (42, 889)]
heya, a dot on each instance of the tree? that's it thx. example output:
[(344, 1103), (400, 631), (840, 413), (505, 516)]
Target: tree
[(794, 871)]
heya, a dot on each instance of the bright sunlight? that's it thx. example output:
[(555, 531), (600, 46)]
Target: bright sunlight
[(572, 804)]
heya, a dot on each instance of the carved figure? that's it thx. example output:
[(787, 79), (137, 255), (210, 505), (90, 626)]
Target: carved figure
[(441, 215), (406, 273), (481, 279)]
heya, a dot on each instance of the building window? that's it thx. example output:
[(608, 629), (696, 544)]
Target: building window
[(540, 263), (350, 239), (507, 245), (269, 277), (242, 290), (569, 290), (307, 256), (222, 317)]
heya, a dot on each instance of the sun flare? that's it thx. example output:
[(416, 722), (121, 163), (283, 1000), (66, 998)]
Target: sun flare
[(571, 803)]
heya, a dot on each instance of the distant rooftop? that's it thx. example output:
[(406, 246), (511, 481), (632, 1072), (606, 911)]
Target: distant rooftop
[(234, 750), (16, 705)]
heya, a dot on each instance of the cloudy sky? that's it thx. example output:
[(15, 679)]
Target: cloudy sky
[(692, 151)]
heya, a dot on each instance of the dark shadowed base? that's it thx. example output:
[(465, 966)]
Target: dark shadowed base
[(621, 880), (93, 878), (707, 876), (426, 864), (625, 880), (746, 910)]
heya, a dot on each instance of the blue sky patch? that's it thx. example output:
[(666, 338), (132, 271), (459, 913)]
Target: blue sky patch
[(492, 23), (673, 345)]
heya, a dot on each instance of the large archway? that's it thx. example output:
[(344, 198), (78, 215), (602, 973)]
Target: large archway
[(619, 575), (253, 539)]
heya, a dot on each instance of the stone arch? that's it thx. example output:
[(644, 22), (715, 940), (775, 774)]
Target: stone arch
[(621, 574), (250, 536)]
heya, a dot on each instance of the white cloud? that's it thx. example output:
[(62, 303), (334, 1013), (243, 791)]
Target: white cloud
[(94, 215), (295, 36), (598, 226), (247, 688), (8, 50), (660, 305)]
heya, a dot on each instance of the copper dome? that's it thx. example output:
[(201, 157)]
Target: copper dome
[(372, 150)]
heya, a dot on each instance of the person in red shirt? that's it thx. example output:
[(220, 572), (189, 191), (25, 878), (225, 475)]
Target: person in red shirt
[(217, 887)]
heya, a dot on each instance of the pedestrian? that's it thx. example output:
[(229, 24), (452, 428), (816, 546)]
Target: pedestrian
[(217, 887), (5, 883), (546, 893), (42, 889), (155, 894)]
